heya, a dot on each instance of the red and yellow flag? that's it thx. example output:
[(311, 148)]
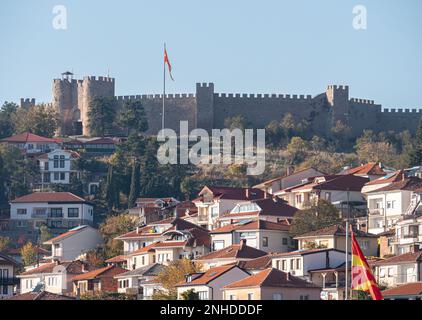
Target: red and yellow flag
[(362, 277), (167, 61)]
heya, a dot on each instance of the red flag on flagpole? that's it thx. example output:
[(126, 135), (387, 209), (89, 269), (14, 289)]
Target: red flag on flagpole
[(167, 61), (362, 277)]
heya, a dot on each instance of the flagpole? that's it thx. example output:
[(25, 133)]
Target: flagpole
[(164, 89)]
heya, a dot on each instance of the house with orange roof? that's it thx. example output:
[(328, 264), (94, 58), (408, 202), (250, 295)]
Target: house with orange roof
[(271, 284), (57, 210), (340, 190), (214, 202), (231, 254), (371, 170), (391, 203), (208, 285), (290, 179), (73, 244), (98, 280), (408, 291), (55, 277), (398, 270), (260, 234), (271, 209), (32, 143)]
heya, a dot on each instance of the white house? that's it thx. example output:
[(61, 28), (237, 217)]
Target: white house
[(72, 244), (260, 234), (391, 203), (8, 279), (408, 233), (32, 143), (55, 209), (214, 202), (56, 167), (209, 284), (299, 263)]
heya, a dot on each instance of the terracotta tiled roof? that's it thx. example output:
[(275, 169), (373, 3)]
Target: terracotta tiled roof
[(408, 289), (51, 197), (257, 263), (271, 278), (170, 244), (151, 270), (371, 168), (335, 230), (304, 252), (29, 137), (389, 178), (410, 184), (336, 182), (403, 258), (66, 234), (109, 271), (8, 259), (117, 259), (148, 248), (252, 225), (43, 295), (72, 267), (284, 176), (208, 276), (235, 251)]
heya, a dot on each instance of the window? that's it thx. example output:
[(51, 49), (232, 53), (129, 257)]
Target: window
[(283, 265), (285, 241), (298, 198), (298, 263), (47, 177), (62, 176), (21, 211), (56, 213), (46, 166), (250, 296), (328, 196), (56, 175), (61, 161), (143, 260), (292, 264), (56, 224), (232, 297), (390, 272), (218, 245), (56, 162), (203, 295), (382, 273), (73, 212), (304, 297), (265, 241), (277, 296)]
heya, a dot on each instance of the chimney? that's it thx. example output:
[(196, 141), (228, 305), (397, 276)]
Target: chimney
[(242, 243), (265, 194), (247, 193), (288, 276), (83, 268), (137, 230)]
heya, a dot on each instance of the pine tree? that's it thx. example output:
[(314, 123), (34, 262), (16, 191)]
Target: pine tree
[(134, 185), (416, 153)]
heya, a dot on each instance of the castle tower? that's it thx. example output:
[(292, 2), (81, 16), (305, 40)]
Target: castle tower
[(88, 89), (65, 101), (338, 100), (205, 106), (27, 103)]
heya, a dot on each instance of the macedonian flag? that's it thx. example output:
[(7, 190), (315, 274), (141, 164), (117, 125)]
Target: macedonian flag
[(362, 277), (167, 62)]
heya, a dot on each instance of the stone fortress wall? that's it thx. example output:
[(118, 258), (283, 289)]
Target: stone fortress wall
[(207, 109)]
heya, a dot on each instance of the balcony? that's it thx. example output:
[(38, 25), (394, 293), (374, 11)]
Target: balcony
[(9, 281), (334, 285), (376, 212)]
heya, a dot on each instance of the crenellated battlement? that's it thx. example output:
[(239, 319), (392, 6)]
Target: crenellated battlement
[(99, 79), (362, 101), (258, 96), (338, 87), (205, 85), (402, 111), (154, 96)]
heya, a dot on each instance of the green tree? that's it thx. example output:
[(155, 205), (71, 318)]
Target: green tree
[(171, 275), (190, 295), (45, 235), (134, 185), (237, 122), (115, 226), (112, 192), (372, 148), (415, 154), (7, 126), (133, 117), (4, 243), (41, 119), (102, 116), (297, 150), (3, 196), (29, 254), (318, 216)]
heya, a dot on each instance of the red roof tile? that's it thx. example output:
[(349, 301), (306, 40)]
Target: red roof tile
[(336, 182), (50, 197), (408, 289), (403, 258), (410, 184), (109, 271), (66, 234), (233, 193), (335, 230), (72, 267), (43, 295), (208, 276), (271, 278), (235, 251), (117, 259), (371, 168), (29, 137), (389, 178)]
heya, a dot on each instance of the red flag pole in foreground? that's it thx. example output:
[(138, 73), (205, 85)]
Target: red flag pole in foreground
[(362, 277)]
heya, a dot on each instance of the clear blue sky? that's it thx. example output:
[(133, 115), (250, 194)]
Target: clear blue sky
[(290, 46)]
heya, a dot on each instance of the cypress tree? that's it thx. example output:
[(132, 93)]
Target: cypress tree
[(112, 192), (134, 185)]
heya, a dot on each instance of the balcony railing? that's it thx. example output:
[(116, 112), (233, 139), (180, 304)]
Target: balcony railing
[(376, 212), (9, 281), (334, 285)]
